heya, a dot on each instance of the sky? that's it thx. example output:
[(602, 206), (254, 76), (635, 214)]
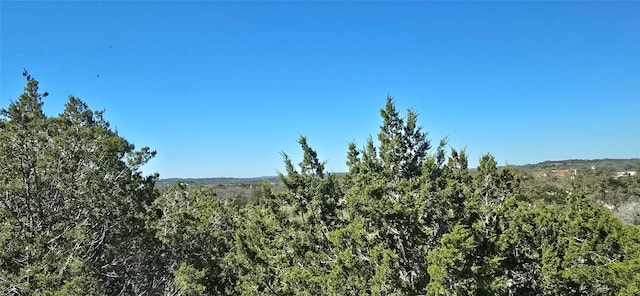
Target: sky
[(220, 89)]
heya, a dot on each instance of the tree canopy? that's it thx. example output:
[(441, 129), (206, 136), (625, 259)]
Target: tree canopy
[(78, 217)]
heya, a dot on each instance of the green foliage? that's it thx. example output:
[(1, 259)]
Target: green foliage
[(73, 203), (449, 268), (197, 230), (188, 280), (415, 222), (78, 218)]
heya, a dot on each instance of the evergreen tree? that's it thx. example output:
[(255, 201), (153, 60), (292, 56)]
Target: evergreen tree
[(73, 203)]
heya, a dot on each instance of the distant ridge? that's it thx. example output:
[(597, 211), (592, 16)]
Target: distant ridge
[(617, 164), (217, 181), (222, 180)]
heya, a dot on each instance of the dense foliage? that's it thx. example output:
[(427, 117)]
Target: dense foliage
[(73, 216), (79, 218)]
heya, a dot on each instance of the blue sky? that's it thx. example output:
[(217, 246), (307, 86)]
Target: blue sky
[(220, 88)]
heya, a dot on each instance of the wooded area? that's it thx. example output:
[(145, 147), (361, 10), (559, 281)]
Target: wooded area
[(409, 218)]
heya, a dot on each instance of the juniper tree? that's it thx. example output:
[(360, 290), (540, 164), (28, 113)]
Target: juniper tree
[(73, 203)]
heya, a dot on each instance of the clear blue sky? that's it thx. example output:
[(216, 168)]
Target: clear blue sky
[(220, 88)]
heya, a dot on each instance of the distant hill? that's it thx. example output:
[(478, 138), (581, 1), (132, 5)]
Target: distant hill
[(628, 164), (216, 181), (222, 181)]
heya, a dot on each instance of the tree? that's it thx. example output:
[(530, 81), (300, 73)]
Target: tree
[(405, 197), (284, 248), (73, 203)]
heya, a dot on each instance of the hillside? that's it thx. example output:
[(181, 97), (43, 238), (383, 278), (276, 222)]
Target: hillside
[(628, 164)]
